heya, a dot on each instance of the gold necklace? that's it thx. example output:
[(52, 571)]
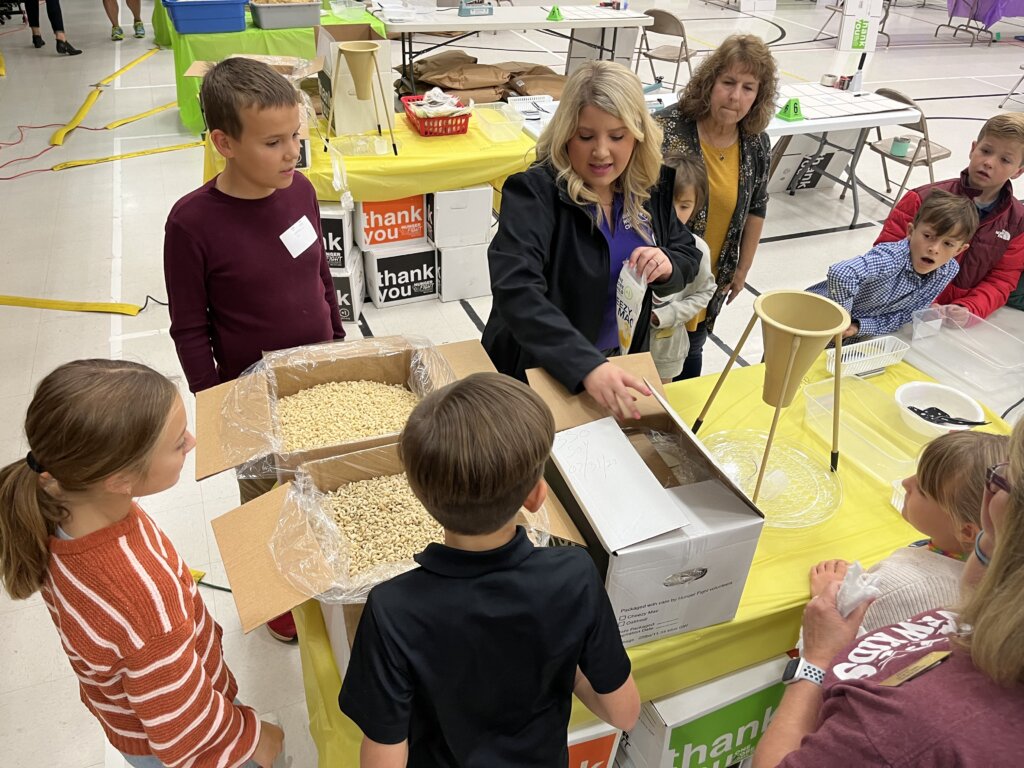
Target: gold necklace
[(720, 150)]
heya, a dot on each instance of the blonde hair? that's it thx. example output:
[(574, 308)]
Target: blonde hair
[(951, 471), (749, 54), (1008, 126), (613, 89), (993, 614), (474, 450), (88, 420), (690, 172)]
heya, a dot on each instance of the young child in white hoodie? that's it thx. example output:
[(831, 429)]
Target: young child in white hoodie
[(669, 315)]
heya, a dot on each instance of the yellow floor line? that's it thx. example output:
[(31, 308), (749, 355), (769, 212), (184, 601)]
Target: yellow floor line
[(111, 78), (140, 116), (108, 307), (58, 137), (141, 153)]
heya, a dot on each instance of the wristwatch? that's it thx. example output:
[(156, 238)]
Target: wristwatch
[(801, 669)]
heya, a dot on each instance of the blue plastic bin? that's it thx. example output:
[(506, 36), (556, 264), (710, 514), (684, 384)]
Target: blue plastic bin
[(202, 16)]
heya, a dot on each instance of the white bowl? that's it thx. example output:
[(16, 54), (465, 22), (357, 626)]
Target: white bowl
[(925, 394)]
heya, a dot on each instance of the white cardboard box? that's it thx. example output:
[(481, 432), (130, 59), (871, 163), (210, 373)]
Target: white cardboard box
[(462, 273), (682, 563), (460, 216), (391, 222), (593, 745), (400, 274), (350, 286), (715, 724), (352, 115), (858, 33), (330, 36), (336, 226)]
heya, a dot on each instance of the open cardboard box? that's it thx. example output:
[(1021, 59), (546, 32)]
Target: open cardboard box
[(221, 446), (292, 67), (258, 587), (669, 567)]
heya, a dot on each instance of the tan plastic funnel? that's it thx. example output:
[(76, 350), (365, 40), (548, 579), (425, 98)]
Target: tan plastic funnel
[(360, 55), (786, 315)]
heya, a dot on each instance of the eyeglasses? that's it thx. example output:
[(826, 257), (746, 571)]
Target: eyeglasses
[(994, 481)]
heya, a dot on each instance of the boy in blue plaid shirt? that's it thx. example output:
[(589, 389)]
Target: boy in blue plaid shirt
[(883, 288)]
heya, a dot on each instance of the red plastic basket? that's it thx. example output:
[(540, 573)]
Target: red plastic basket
[(435, 126)]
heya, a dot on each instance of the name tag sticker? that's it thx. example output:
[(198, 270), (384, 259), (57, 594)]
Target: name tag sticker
[(919, 667), (298, 237)]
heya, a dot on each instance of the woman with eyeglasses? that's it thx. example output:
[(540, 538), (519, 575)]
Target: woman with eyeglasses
[(945, 688)]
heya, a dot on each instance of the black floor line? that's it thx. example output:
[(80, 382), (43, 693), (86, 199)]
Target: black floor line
[(727, 349), (952, 98), (813, 232), (471, 313), (364, 327)]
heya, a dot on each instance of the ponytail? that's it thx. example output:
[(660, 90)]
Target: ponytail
[(87, 421), (28, 517)]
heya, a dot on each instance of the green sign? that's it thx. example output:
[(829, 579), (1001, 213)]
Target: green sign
[(727, 735), (860, 34)]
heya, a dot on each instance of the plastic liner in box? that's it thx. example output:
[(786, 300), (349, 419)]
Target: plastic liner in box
[(249, 408), (310, 550)]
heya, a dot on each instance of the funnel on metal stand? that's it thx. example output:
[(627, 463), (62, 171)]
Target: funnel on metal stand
[(796, 327)]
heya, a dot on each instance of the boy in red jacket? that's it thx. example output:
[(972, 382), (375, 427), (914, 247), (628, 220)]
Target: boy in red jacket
[(991, 268)]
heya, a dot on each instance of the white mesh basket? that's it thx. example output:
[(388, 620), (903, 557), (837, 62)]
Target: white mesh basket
[(869, 356)]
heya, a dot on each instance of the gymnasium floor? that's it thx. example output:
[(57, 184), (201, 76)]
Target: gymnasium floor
[(95, 233)]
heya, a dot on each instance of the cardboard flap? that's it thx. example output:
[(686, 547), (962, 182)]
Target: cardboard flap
[(243, 535), (622, 498), (466, 357), (216, 450), (330, 474), (572, 410), (713, 464)]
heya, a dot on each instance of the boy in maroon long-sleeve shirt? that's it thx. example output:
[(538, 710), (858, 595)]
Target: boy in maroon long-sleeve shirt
[(244, 261), (243, 255)]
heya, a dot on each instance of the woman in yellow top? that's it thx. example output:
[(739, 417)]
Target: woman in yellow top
[(721, 118)]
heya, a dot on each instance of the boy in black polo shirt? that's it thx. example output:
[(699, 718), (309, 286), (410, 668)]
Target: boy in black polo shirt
[(469, 660)]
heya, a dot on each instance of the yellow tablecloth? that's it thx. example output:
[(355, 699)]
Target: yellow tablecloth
[(423, 164), (865, 528)]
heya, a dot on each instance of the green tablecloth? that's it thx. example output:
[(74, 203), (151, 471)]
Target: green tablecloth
[(162, 27), (299, 42)]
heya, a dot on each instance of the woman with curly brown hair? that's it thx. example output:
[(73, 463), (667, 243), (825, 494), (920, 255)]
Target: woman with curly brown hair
[(721, 118)]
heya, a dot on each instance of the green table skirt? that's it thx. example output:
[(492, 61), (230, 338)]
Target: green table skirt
[(300, 41)]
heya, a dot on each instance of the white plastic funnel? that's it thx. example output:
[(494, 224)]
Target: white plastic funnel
[(360, 55), (789, 315)]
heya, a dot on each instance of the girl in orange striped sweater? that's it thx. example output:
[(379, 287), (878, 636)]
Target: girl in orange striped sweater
[(147, 653)]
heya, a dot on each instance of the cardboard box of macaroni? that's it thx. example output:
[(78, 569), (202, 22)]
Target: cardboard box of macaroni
[(674, 554), (400, 274), (716, 724), (350, 286), (221, 444), (261, 591)]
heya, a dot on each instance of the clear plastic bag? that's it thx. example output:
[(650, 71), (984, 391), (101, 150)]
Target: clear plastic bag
[(313, 553), (251, 431)]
